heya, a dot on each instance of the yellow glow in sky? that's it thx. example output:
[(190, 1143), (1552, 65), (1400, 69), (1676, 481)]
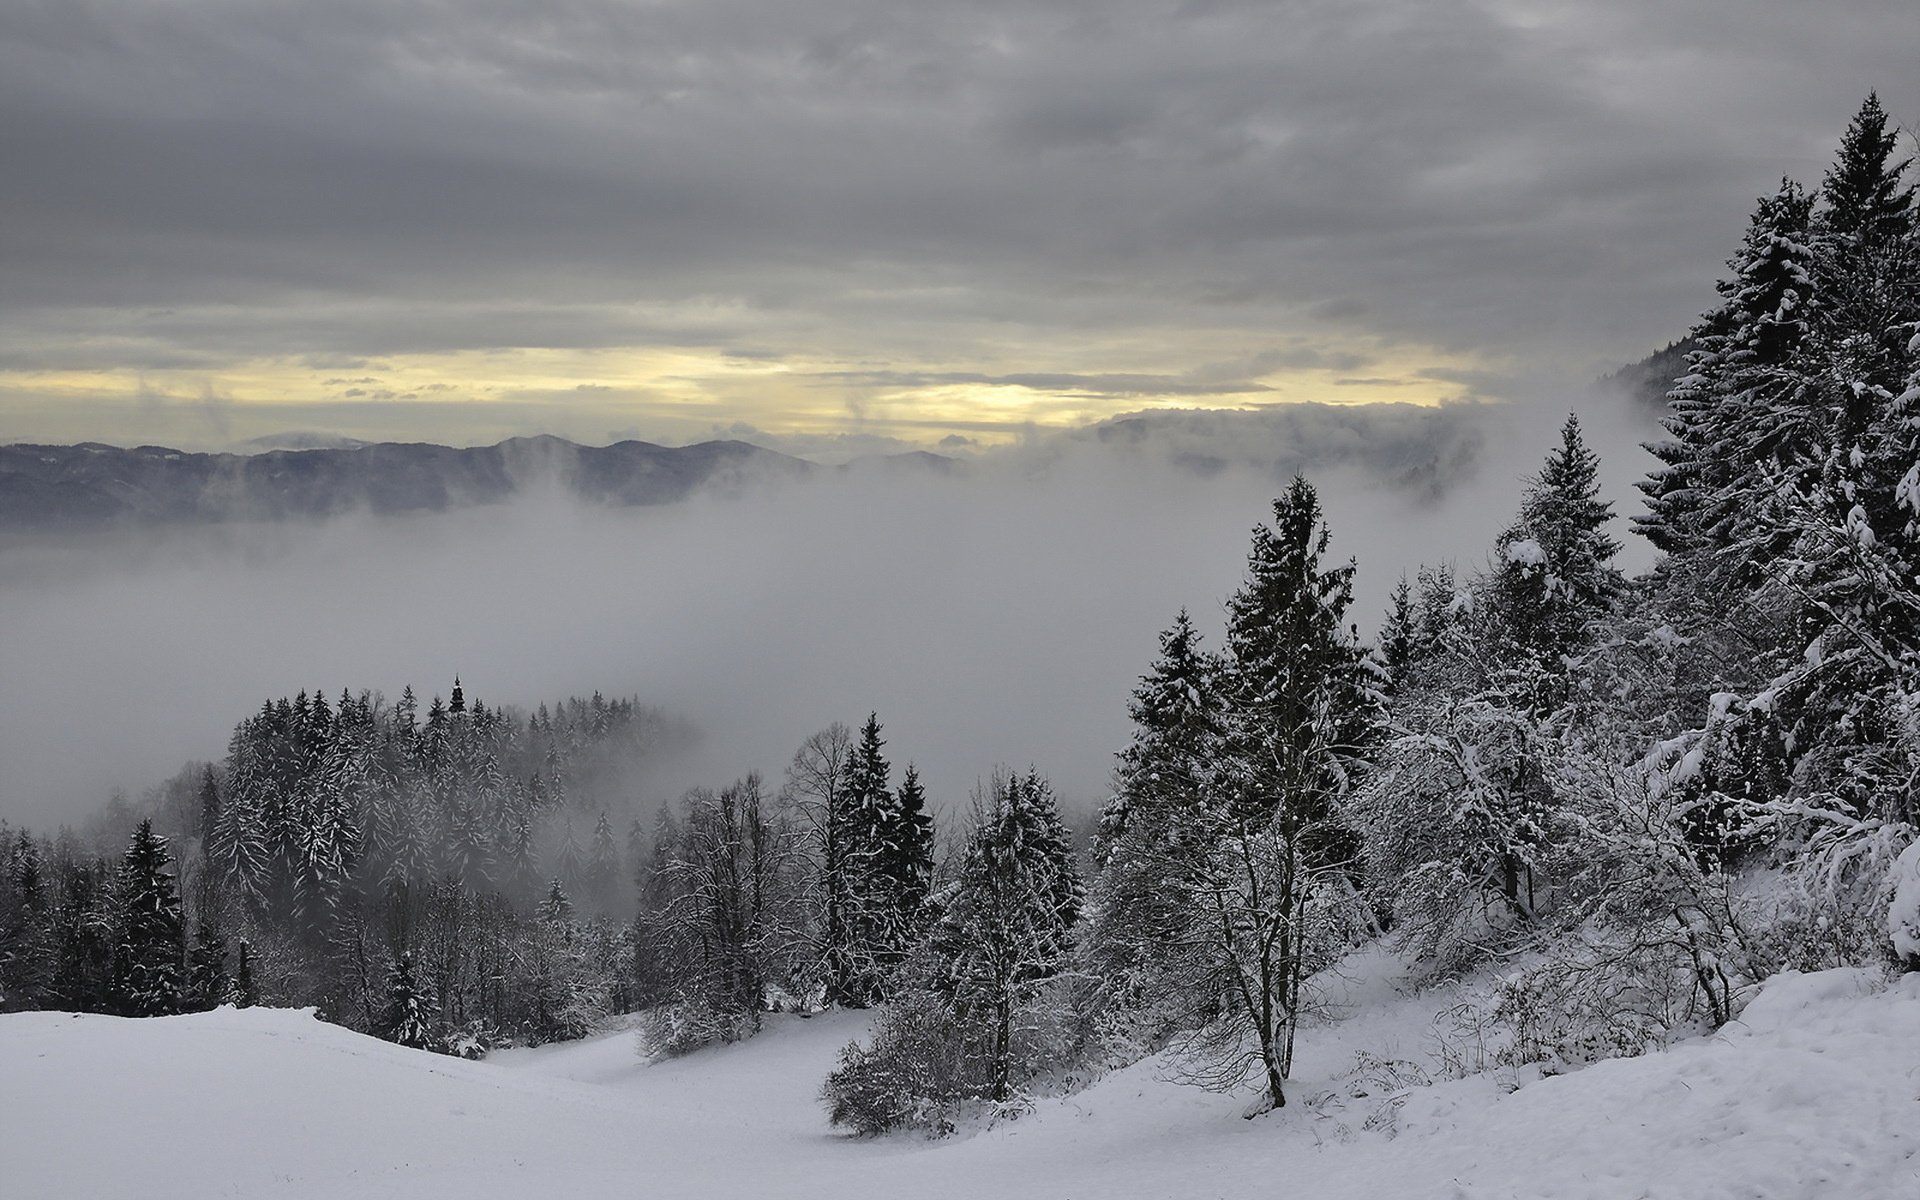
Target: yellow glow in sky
[(668, 394)]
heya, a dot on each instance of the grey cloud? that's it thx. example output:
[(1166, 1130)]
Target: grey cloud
[(372, 177)]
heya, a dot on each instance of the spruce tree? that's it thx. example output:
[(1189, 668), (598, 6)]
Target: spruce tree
[(870, 820), (150, 946), (27, 939), (1400, 636), (602, 871), (1867, 262), (556, 908), (1159, 786), (208, 985), (1865, 201), (209, 806), (1008, 925), (909, 864), (1301, 699), (408, 1019), (1741, 419), (246, 989), (1554, 574)]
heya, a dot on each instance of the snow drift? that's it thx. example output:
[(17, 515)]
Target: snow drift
[(1810, 1094)]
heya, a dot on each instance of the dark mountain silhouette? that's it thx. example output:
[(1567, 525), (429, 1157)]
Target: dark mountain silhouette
[(93, 485)]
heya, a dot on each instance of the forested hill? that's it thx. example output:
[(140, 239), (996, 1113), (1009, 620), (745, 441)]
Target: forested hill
[(93, 485)]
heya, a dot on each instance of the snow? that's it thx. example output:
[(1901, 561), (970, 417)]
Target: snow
[(1810, 1094), (1903, 915), (1525, 552)]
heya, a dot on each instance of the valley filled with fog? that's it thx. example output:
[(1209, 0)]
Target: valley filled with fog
[(995, 613)]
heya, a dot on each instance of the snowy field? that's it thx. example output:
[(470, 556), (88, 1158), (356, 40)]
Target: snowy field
[(1815, 1092)]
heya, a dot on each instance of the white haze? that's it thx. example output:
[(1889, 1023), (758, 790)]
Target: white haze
[(998, 616)]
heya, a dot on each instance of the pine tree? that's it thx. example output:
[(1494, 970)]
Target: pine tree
[(408, 1018), (27, 940), (1300, 691), (1740, 420), (556, 907), (888, 848), (1867, 261), (1008, 925), (602, 872), (1254, 856), (209, 806), (208, 986), (909, 865), (150, 945), (1554, 574), (869, 816), (1400, 636), (246, 988), (1865, 200), (1158, 787)]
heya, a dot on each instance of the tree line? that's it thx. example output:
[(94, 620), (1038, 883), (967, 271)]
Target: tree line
[(1542, 761), (348, 856)]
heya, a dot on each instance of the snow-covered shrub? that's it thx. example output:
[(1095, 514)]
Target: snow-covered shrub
[(912, 1071), (1834, 901), (1461, 818), (927, 1064), (1903, 911), (474, 1040), (671, 1030), (1594, 998)]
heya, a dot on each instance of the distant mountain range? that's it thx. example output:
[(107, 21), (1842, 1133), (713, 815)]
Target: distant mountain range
[(94, 486)]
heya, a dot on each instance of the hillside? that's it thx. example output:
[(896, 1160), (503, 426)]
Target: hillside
[(1809, 1094)]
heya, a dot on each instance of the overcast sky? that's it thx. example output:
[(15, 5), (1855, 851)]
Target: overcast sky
[(384, 218)]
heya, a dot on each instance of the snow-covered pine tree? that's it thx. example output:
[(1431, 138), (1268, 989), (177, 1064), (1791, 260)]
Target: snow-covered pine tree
[(27, 938), (1008, 923), (1865, 201), (1301, 700), (519, 865), (909, 861), (869, 820), (208, 985), (209, 807), (1553, 572), (1270, 856), (556, 908), (1867, 258), (1742, 416), (1399, 636), (150, 946), (602, 872), (409, 1014)]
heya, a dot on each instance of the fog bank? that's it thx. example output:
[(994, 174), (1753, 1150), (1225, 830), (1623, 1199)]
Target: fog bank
[(998, 614)]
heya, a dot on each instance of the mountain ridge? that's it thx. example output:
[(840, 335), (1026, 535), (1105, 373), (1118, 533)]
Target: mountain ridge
[(93, 484)]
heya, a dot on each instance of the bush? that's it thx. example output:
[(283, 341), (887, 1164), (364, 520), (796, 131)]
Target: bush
[(686, 1025), (926, 1064)]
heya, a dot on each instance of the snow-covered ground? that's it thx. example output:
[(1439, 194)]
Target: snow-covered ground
[(1815, 1092)]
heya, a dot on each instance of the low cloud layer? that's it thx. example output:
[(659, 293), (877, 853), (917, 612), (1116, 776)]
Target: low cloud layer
[(996, 615)]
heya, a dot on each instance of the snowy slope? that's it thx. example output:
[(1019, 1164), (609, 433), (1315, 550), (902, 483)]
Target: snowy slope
[(1814, 1093)]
